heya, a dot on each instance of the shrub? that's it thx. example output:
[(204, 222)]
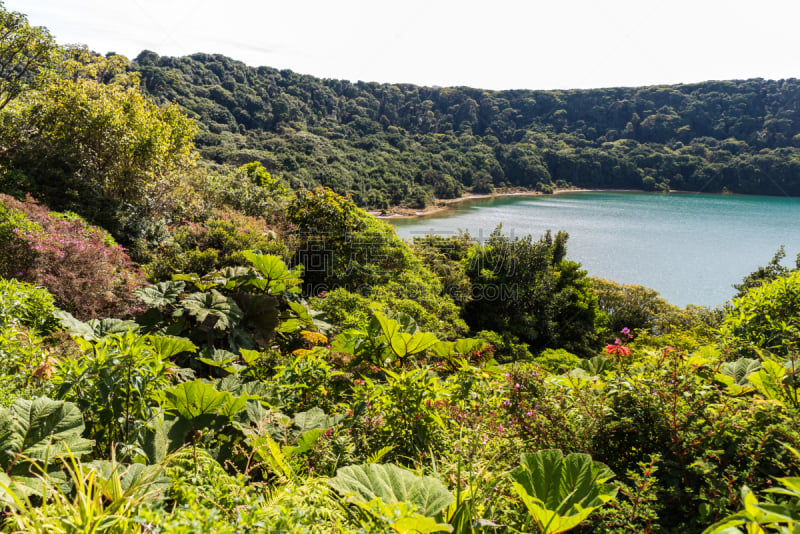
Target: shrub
[(217, 242), (340, 245), (14, 255), (343, 308), (113, 382), (25, 367), (89, 142), (407, 412), (307, 381), (444, 256), (528, 289), (28, 305), (244, 189), (557, 360), (508, 348), (633, 306), (767, 317), (81, 265), (546, 413), (322, 209)]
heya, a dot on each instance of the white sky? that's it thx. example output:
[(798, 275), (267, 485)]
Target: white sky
[(493, 44)]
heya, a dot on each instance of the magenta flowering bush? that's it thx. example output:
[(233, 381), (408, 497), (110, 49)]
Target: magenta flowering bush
[(89, 274)]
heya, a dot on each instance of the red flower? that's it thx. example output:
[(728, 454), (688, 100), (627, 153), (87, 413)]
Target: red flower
[(618, 350)]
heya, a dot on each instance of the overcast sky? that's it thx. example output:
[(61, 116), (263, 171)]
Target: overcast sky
[(497, 44)]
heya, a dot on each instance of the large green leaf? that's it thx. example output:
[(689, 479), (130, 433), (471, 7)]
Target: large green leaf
[(234, 406), (260, 314), (271, 267), (159, 439), (93, 329), (166, 433), (231, 278), (131, 482), (169, 346), (740, 369), (161, 294), (769, 380), (237, 386), (594, 366), (402, 517), (191, 400), (760, 517), (315, 418), (277, 277), (304, 444), (105, 327), (561, 492), (189, 407), (221, 359), (72, 325), (392, 484), (402, 343), (299, 318), (450, 350), (40, 429), (212, 308)]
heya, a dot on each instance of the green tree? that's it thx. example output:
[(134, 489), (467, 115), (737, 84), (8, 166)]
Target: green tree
[(85, 145), (767, 318), (24, 51), (633, 306), (765, 274), (258, 174), (528, 289)]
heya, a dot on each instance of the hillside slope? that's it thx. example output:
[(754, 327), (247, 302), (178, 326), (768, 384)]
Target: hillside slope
[(405, 144)]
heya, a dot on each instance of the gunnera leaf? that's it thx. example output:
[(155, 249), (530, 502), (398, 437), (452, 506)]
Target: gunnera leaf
[(560, 492), (40, 429), (740, 369), (392, 484), (214, 308), (161, 294)]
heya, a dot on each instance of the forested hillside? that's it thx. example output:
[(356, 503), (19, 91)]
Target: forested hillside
[(189, 348), (404, 144)]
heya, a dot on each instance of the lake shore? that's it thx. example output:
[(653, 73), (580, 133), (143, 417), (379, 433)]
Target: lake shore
[(690, 247), (443, 205)]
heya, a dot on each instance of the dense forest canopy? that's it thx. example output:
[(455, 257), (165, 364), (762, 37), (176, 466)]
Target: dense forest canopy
[(405, 144)]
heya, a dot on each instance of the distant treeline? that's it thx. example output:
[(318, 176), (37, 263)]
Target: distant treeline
[(399, 144)]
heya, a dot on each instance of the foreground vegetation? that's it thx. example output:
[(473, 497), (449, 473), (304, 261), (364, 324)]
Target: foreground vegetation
[(194, 349)]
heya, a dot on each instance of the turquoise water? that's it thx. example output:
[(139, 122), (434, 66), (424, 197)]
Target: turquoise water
[(691, 248)]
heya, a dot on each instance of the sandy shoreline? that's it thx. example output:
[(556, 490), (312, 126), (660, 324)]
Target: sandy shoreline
[(442, 205)]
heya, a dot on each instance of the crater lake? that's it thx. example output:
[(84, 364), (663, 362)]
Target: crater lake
[(690, 247)]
